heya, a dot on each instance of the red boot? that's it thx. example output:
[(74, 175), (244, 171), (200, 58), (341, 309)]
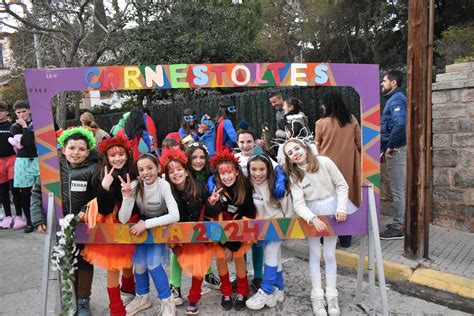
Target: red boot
[(128, 284), (116, 305)]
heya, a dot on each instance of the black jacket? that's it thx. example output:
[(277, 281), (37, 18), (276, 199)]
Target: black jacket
[(73, 200), (6, 150), (190, 210), (108, 200), (77, 187), (27, 140)]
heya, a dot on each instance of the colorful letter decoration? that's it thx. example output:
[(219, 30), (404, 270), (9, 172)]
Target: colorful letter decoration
[(43, 84)]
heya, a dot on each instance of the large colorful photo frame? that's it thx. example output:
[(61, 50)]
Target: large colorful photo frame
[(43, 84)]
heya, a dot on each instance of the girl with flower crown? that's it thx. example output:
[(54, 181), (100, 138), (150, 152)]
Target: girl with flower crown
[(232, 200), (154, 199), (116, 161), (191, 196), (318, 188)]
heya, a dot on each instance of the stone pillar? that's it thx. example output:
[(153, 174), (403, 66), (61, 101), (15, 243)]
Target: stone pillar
[(453, 148)]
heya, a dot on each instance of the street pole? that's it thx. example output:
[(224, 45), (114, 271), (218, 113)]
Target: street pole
[(418, 132), (429, 137)]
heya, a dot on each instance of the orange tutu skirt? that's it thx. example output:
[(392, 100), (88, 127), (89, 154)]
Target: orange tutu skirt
[(220, 254), (194, 259), (107, 256)]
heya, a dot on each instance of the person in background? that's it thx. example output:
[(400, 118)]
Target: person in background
[(226, 137), (276, 99), (393, 149), (169, 143), (188, 127), (87, 121), (26, 163), (208, 137), (295, 124), (7, 167), (186, 142), (295, 121), (338, 137), (138, 128)]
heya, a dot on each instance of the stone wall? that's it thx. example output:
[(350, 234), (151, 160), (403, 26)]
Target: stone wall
[(453, 148)]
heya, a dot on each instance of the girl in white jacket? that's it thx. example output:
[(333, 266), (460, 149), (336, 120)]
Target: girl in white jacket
[(318, 188), (262, 177), (154, 199)]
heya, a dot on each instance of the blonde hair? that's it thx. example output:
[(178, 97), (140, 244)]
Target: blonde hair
[(291, 169), (86, 117)]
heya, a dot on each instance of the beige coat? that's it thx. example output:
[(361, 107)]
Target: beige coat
[(343, 146)]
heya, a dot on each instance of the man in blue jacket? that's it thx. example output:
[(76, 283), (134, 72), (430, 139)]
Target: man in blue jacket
[(393, 138)]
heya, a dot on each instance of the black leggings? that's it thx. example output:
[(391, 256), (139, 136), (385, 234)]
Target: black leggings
[(5, 189), (22, 202)]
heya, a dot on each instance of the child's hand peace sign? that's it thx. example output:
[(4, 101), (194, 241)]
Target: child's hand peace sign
[(215, 196), (127, 191), (108, 178)]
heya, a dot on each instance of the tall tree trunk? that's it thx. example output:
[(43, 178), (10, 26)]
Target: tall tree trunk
[(77, 103), (61, 110)]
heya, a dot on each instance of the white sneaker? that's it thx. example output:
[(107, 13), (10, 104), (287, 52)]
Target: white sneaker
[(260, 299), (333, 307), (319, 306), (279, 294), (168, 308), (176, 293), (139, 303), (127, 298)]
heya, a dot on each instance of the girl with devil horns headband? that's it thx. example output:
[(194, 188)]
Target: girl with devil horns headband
[(116, 161), (232, 200), (191, 196)]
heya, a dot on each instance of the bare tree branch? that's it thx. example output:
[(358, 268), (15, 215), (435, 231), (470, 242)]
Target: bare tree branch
[(27, 22)]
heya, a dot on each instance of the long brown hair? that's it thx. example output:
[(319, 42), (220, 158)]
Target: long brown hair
[(185, 125), (189, 186), (291, 169), (140, 186), (241, 183), (271, 175), (206, 171), (104, 161)]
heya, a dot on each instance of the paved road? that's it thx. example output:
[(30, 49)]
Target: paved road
[(20, 277)]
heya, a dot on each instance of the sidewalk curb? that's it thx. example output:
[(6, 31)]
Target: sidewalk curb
[(397, 272)]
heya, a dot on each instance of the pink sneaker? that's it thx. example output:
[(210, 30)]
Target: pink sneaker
[(18, 222), (6, 223)]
